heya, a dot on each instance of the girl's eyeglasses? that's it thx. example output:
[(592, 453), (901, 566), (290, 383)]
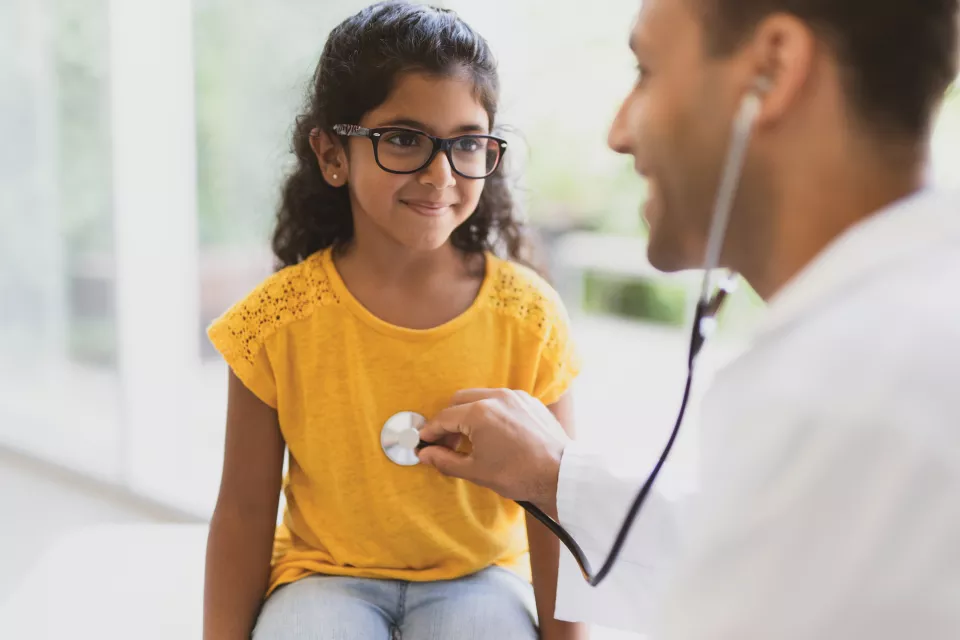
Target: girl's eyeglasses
[(404, 151)]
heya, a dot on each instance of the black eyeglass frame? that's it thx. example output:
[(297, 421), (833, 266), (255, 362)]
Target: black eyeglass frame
[(444, 145)]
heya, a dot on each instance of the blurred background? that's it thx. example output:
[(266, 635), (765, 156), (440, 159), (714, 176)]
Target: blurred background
[(142, 148)]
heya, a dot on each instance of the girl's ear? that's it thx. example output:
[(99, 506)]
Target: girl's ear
[(331, 157)]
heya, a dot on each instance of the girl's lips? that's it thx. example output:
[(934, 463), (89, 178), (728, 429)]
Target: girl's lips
[(427, 208)]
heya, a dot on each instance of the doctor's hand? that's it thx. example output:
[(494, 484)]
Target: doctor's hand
[(516, 444)]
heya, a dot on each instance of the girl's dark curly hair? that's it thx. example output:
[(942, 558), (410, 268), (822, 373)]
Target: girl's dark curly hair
[(360, 63)]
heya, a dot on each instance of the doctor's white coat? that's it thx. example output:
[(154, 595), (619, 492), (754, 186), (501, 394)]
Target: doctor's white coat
[(829, 506)]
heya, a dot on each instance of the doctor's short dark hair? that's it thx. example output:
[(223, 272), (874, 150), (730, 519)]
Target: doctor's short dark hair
[(900, 55)]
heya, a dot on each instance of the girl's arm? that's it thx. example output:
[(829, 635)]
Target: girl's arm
[(545, 556), (240, 542)]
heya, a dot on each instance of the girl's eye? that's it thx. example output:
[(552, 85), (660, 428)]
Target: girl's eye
[(403, 139), (469, 144)]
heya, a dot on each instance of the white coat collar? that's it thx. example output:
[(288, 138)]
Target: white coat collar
[(903, 229)]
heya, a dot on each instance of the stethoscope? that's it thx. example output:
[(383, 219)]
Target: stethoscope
[(400, 438)]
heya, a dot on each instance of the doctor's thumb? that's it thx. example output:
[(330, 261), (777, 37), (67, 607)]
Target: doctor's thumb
[(447, 462)]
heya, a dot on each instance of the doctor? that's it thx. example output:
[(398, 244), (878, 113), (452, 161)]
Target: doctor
[(830, 501)]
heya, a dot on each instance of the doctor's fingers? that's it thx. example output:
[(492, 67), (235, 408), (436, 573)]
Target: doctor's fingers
[(449, 463), (452, 420), (522, 411), (485, 417), (507, 404), (534, 407)]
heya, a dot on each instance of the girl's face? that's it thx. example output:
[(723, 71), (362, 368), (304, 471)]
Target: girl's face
[(421, 210)]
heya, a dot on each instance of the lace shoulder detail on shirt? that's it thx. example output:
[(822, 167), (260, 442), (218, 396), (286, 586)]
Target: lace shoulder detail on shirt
[(519, 293), (292, 294)]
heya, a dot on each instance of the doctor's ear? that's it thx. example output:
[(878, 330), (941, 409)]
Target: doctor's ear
[(331, 157), (784, 52)]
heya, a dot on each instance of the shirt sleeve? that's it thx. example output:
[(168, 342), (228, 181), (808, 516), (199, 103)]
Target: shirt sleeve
[(240, 335), (594, 494), (559, 361)]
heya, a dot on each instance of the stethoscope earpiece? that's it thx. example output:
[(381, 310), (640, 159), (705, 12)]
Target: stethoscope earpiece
[(762, 85)]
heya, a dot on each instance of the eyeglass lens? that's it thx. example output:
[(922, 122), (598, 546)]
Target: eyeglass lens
[(409, 151)]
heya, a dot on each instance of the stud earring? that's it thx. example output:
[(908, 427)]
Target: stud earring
[(334, 176)]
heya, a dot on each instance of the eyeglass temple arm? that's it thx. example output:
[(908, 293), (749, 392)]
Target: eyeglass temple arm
[(352, 130)]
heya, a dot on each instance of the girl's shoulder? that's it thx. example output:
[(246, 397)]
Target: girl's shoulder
[(525, 300), (292, 294), (521, 295)]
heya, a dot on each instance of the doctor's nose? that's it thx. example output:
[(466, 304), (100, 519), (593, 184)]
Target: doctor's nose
[(620, 137)]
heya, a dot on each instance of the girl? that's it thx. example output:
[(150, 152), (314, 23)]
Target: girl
[(390, 299)]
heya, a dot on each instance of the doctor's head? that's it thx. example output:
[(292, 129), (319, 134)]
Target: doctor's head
[(847, 82)]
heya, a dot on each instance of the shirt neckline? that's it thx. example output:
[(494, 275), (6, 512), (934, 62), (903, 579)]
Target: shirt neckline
[(364, 315)]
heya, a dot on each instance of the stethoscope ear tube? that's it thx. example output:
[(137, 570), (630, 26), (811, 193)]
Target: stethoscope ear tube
[(641, 497), (703, 322)]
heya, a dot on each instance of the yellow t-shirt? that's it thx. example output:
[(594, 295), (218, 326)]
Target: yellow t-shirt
[(335, 373)]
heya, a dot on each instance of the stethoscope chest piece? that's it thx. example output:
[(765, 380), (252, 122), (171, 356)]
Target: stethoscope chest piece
[(400, 437)]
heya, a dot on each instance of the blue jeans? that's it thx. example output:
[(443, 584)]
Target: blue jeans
[(494, 604)]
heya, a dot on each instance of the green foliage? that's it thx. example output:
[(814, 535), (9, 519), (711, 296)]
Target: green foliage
[(643, 300), (662, 302)]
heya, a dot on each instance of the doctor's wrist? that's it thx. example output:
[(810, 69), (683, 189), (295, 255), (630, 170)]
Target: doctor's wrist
[(548, 478)]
